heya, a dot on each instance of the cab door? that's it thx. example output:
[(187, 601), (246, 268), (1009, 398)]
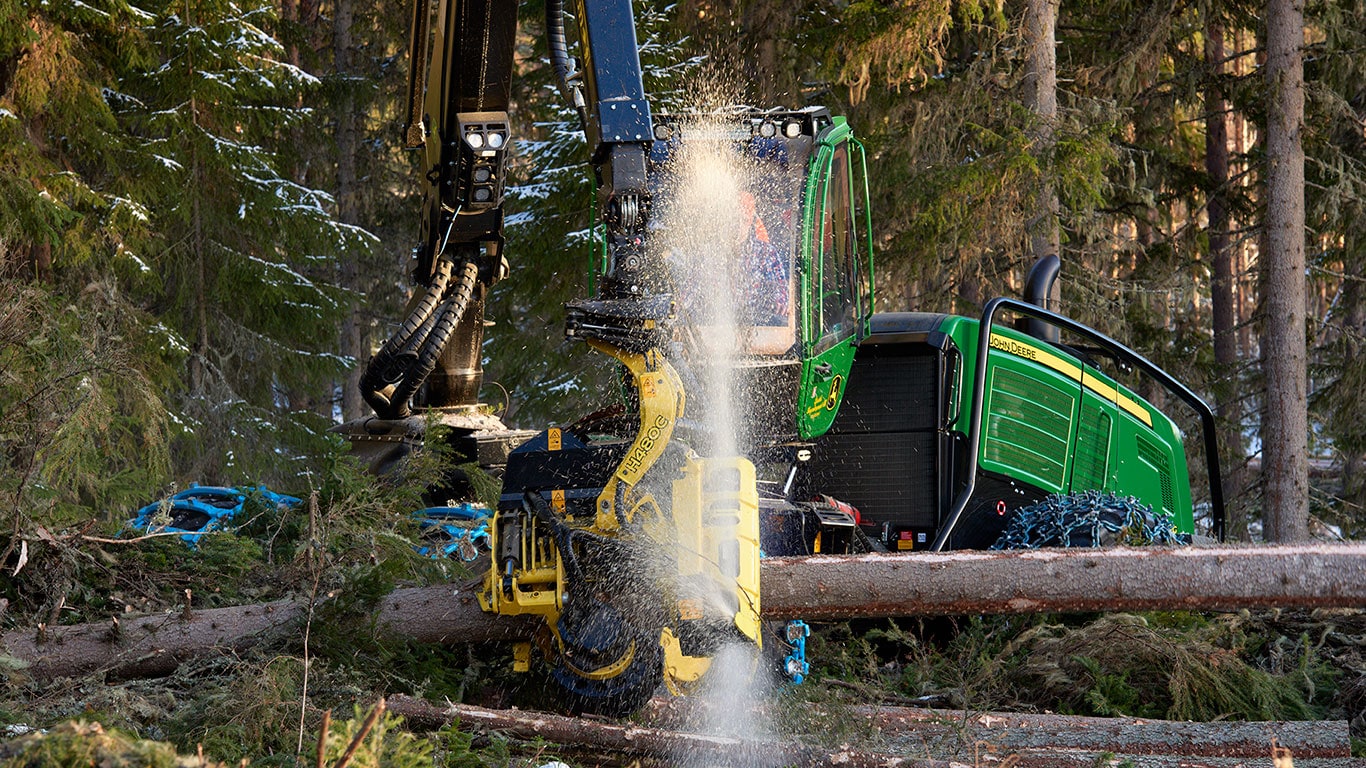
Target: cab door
[(832, 316)]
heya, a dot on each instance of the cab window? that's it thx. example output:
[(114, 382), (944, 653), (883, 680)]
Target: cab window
[(836, 299)]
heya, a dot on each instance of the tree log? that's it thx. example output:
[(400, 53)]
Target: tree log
[(147, 646), (948, 732), (976, 738), (641, 741), (1065, 581), (815, 588)]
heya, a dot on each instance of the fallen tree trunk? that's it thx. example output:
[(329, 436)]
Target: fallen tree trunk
[(814, 588), (147, 646), (975, 738), (1022, 733), (640, 741), (956, 732), (1065, 581)]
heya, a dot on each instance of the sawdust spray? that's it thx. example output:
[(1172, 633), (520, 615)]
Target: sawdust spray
[(704, 218)]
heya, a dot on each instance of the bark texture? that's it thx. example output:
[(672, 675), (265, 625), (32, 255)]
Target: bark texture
[(147, 646), (1041, 96), (1285, 429), (1223, 289), (349, 129), (1065, 581), (1037, 738)]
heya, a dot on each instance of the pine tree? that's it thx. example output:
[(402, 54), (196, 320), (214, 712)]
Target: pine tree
[(1285, 431)]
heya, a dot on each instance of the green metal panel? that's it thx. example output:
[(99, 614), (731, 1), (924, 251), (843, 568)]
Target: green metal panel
[(1095, 433), (1043, 426), (823, 380), (1029, 413)]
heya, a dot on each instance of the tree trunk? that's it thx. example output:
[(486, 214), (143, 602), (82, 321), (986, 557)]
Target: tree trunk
[(1036, 738), (765, 23), (348, 206), (814, 588), (148, 646), (1354, 311), (1285, 431), (200, 346), (1007, 738), (1041, 96), (289, 18), (1064, 581), (1223, 289)]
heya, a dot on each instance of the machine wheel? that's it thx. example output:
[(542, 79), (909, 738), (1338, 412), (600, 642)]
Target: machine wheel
[(619, 695)]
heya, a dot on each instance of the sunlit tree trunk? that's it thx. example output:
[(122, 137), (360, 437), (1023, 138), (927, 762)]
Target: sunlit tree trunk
[(1285, 461), (1041, 96)]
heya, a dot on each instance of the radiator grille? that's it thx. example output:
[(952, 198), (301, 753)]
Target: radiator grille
[(880, 454), (1157, 459), (1093, 449), (890, 390), (1027, 426), (890, 477)]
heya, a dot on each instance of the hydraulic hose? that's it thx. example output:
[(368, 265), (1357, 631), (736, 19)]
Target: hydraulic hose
[(385, 367), (558, 46), (447, 317)]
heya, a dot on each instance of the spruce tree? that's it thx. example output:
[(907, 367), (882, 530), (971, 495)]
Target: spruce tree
[(246, 253), (82, 365)]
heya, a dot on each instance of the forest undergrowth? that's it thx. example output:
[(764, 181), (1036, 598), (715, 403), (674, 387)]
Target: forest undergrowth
[(352, 542)]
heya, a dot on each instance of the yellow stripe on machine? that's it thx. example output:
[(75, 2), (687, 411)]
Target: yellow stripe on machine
[(1072, 371)]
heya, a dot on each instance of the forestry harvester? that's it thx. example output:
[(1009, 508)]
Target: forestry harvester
[(632, 537)]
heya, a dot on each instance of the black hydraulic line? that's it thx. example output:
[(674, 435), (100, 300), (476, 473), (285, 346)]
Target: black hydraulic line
[(430, 298), (414, 133), (1216, 489), (564, 535), (560, 61), (385, 368), (452, 309)]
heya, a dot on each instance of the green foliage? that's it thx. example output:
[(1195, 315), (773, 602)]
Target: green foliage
[(244, 251), (1124, 665), (84, 425), (383, 746), (1176, 666), (458, 749), (80, 743), (254, 715)]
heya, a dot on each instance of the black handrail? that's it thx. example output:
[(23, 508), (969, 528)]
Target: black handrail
[(1120, 352)]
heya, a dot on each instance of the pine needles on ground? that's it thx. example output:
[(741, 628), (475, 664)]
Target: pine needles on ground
[(1125, 665)]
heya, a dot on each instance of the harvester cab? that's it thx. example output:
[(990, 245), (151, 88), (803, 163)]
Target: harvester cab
[(799, 292)]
